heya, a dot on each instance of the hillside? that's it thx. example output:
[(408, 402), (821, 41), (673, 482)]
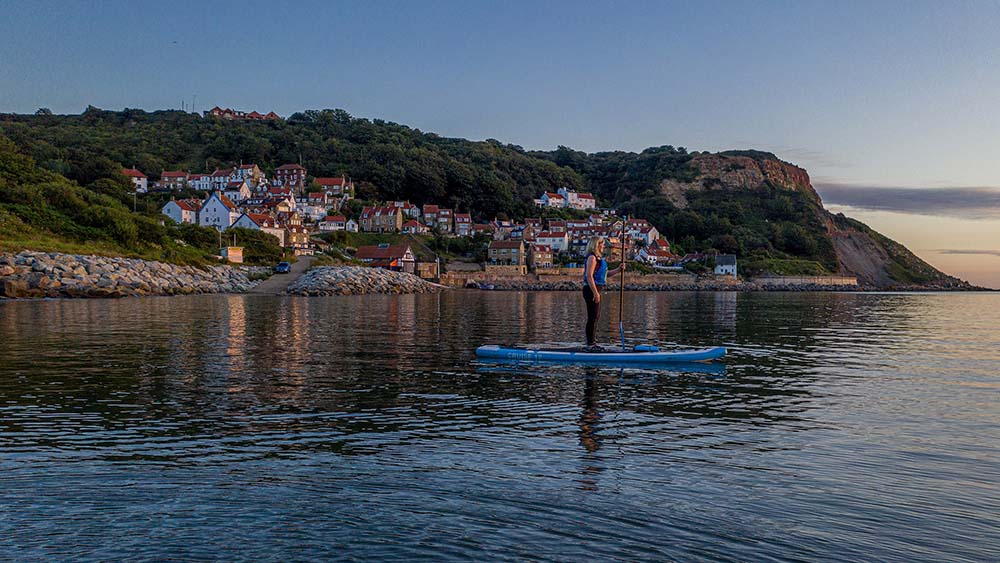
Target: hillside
[(42, 210), (745, 202)]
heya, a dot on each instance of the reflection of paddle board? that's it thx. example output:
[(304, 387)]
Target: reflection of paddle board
[(639, 354)]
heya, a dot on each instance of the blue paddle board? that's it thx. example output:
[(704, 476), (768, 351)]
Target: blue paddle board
[(639, 354)]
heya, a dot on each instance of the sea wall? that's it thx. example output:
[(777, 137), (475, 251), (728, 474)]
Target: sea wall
[(51, 274), (356, 280)]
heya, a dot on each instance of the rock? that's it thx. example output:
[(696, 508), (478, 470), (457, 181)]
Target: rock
[(15, 288)]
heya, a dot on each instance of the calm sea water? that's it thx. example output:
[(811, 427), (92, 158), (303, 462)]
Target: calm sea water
[(841, 427)]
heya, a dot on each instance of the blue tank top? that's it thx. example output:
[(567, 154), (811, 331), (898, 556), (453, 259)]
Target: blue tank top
[(600, 272)]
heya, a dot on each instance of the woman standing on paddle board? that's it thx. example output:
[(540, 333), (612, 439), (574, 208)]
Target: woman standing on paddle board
[(595, 275)]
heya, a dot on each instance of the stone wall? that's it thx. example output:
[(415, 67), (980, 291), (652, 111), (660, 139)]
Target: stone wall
[(51, 274), (806, 280)]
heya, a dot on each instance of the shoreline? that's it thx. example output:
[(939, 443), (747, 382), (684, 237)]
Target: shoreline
[(40, 275)]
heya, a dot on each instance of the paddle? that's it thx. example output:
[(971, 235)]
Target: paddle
[(621, 288)]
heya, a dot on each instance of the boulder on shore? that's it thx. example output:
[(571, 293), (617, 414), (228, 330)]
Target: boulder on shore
[(355, 280), (52, 274)]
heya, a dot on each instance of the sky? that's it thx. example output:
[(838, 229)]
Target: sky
[(892, 107)]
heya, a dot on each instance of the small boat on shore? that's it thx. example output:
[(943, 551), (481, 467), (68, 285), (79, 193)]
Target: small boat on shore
[(641, 354)]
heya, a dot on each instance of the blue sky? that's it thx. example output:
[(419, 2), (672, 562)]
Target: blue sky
[(865, 95)]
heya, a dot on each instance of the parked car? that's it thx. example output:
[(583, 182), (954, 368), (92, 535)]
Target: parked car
[(283, 268)]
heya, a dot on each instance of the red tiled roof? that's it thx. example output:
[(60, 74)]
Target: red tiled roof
[(381, 252), (428, 208), (547, 234), (335, 219), (290, 167), (505, 244), (261, 219), (585, 196), (234, 184), (541, 248), (174, 174), (412, 223), (225, 201), (189, 204), (132, 173), (331, 181), (463, 218)]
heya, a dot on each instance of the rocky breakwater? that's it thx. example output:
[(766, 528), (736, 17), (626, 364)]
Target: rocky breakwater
[(355, 280), (50, 274), (703, 285)]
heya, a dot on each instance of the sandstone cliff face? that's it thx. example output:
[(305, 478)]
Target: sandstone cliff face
[(859, 255), (738, 173), (875, 260)]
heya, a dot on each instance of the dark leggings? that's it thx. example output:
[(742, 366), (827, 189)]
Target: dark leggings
[(593, 312)]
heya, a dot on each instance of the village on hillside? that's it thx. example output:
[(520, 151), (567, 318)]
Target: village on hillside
[(297, 209)]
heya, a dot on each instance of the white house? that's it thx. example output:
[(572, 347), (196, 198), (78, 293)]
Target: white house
[(574, 200), (221, 177), (200, 181), (333, 223), (183, 210), (218, 212), (261, 222), (237, 191), (413, 227), (550, 199), (556, 241), (725, 265), (351, 226), (139, 180)]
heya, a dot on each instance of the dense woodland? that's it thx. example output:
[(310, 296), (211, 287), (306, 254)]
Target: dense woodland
[(769, 228)]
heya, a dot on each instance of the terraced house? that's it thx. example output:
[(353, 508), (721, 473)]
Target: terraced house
[(381, 219)]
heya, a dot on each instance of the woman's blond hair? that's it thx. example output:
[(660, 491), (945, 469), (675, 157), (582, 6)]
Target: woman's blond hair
[(592, 246)]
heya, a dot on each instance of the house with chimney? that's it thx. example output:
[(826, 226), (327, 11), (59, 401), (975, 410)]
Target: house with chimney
[(558, 242), (237, 191), (408, 209), (251, 173), (173, 180), (725, 265), (262, 222), (183, 210), (413, 227), (218, 212), (200, 181), (336, 186), (291, 176), (381, 219), (506, 257)]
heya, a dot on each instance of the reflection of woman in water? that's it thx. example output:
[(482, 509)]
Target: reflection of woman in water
[(590, 416), (595, 274)]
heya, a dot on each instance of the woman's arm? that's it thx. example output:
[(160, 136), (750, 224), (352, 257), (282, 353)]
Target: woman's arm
[(616, 271)]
